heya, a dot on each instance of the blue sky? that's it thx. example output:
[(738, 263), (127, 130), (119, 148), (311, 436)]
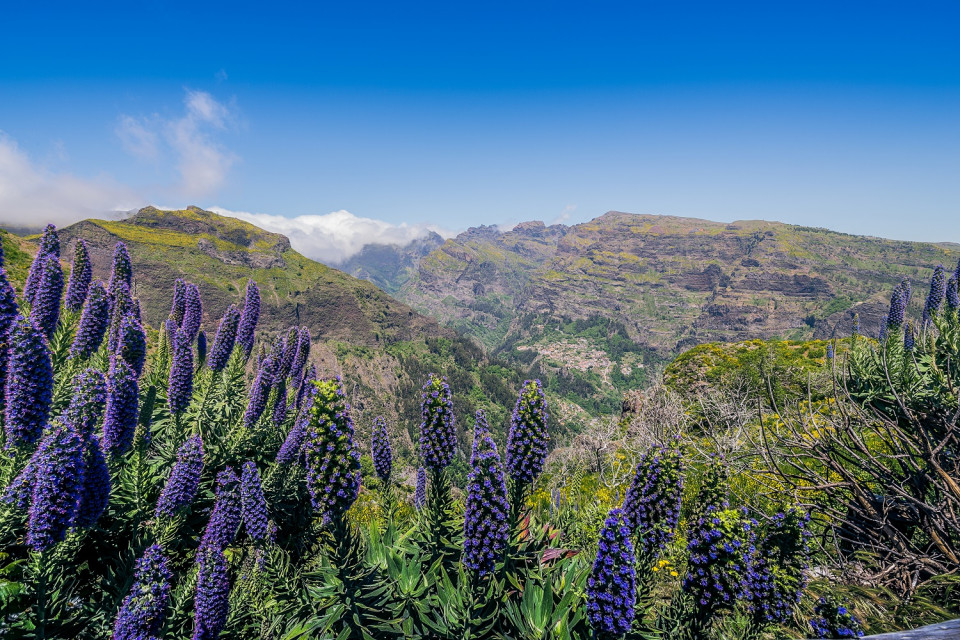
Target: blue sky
[(843, 115)]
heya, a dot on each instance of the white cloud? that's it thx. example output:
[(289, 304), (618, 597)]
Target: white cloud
[(334, 237), (201, 161), (32, 195)]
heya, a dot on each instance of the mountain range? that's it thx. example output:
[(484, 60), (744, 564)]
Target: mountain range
[(600, 304)]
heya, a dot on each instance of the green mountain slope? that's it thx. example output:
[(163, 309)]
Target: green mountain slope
[(382, 348), (603, 302)]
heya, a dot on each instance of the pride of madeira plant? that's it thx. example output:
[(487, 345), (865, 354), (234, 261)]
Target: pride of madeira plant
[(195, 494)]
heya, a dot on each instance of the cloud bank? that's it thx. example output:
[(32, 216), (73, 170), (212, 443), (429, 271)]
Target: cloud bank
[(32, 194), (334, 237)]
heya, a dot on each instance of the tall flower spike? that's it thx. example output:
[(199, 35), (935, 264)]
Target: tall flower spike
[(144, 611), (438, 435), (49, 245), (57, 487), (898, 305), (193, 313), (529, 436), (224, 340), (719, 547), (46, 303), (88, 403), (652, 506), (938, 289), (80, 276), (485, 525), (259, 393), (180, 388), (292, 446), (953, 296), (181, 487), (253, 506), (95, 494), (179, 306), (212, 602), (380, 448), (120, 307), (249, 318), (775, 580), (132, 344), (306, 386), (290, 344), (908, 336), (420, 494), (225, 519), (201, 348), (122, 273), (856, 324), (8, 313), (333, 464), (303, 353), (29, 384), (93, 323), (612, 585), (280, 404), (122, 405)]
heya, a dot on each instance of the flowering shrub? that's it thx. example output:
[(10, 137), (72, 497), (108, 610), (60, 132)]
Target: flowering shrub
[(832, 620)]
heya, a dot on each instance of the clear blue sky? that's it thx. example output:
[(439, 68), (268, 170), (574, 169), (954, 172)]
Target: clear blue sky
[(836, 114)]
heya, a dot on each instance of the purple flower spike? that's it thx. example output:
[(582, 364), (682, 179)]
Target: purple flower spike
[(225, 339), (46, 303), (179, 306), (248, 320), (80, 276), (212, 603), (898, 305), (485, 525), (253, 506), (259, 393), (180, 387), (49, 245), (132, 345), (292, 447), (528, 438), (120, 308), (122, 408), (201, 347), (225, 519), (8, 313), (953, 296), (938, 289), (774, 580), (193, 313), (652, 506), (280, 404), (144, 611), (29, 384), (122, 273), (380, 448), (302, 354), (719, 548), (420, 494), (93, 323), (438, 434), (88, 403), (57, 486), (305, 385), (181, 487), (95, 494), (333, 463), (289, 352), (612, 585)]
